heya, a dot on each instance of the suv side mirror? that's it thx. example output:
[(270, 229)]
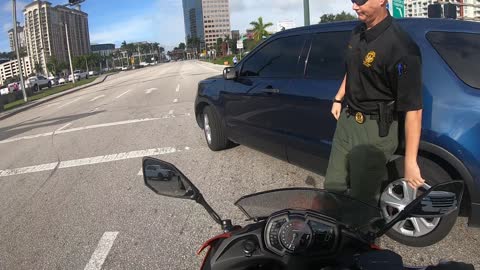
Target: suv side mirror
[(229, 73)]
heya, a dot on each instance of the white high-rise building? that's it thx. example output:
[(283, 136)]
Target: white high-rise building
[(45, 34), (10, 69), (206, 20), (419, 8)]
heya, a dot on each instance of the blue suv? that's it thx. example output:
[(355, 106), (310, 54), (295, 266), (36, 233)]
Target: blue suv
[(278, 100)]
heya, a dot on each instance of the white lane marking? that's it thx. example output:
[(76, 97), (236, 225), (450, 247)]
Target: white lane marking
[(30, 169), (209, 68), (175, 100), (140, 173), (102, 250), (111, 124), (178, 88), (53, 104), (62, 128), (95, 98), (68, 103), (170, 112), (148, 91), (123, 93), (92, 127), (91, 160)]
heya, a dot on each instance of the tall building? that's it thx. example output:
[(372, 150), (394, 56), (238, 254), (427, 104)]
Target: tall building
[(10, 69), (45, 32), (21, 38), (419, 8), (235, 34), (214, 20)]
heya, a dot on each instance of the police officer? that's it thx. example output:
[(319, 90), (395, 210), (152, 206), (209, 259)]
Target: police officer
[(383, 79)]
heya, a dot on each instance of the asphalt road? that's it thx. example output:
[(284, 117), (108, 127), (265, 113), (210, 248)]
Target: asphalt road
[(71, 196)]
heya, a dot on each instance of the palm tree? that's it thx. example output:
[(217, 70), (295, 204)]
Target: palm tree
[(260, 29)]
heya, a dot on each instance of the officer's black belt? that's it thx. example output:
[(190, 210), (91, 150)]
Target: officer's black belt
[(352, 112)]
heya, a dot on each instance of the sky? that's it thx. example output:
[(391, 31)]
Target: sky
[(113, 21)]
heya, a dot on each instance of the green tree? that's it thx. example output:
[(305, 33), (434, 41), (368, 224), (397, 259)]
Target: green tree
[(260, 29), (336, 18), (182, 46), (52, 65)]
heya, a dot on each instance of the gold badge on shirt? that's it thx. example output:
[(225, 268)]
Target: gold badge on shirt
[(369, 58)]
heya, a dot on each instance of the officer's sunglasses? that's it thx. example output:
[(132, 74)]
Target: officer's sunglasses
[(359, 2)]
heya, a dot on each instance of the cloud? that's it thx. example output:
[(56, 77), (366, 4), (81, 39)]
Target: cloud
[(242, 12)]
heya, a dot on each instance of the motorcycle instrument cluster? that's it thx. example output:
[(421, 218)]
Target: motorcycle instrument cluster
[(289, 233)]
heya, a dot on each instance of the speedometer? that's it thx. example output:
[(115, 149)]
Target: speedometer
[(295, 235)]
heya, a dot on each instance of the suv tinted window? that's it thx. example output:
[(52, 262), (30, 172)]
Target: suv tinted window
[(327, 56), (278, 58), (461, 51)]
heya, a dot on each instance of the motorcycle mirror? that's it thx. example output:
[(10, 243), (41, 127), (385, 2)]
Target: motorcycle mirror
[(438, 201), (166, 180)]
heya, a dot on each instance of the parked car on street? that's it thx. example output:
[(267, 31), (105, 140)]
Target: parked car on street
[(36, 83), (62, 81), (92, 73), (279, 97), (79, 75)]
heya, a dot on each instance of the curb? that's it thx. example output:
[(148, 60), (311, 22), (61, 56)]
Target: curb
[(35, 103)]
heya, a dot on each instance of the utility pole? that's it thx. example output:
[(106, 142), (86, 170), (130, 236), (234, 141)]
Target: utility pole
[(69, 55), (15, 41), (306, 11)]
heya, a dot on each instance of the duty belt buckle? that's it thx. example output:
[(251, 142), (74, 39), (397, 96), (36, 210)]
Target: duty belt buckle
[(360, 118)]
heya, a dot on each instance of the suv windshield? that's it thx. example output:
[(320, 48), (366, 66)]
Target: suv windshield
[(465, 62), (342, 208)]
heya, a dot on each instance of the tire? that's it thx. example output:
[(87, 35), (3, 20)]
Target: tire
[(433, 174), (213, 130), (36, 88), (49, 84)]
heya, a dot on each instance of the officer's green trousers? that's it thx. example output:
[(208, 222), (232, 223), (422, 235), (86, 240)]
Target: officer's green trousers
[(358, 158)]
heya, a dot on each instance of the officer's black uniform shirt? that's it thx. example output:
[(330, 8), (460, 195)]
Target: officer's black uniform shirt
[(383, 64)]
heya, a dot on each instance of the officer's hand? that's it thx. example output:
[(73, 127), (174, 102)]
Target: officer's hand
[(336, 109), (412, 175)]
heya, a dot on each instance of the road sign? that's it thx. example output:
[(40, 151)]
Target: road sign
[(239, 44), (398, 7)]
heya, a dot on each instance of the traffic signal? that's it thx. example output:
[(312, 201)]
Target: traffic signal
[(450, 11), (435, 11)]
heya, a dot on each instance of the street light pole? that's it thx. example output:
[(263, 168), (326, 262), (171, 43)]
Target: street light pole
[(69, 55), (306, 11), (15, 41)]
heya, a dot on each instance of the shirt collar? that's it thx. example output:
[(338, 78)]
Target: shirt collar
[(374, 32)]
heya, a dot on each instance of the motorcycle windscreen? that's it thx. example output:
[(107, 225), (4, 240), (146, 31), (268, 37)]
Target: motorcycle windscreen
[(343, 209)]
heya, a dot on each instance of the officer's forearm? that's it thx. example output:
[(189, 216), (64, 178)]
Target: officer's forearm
[(413, 130), (341, 90)]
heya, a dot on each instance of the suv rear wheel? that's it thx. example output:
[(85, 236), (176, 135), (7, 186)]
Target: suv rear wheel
[(213, 130), (416, 232)]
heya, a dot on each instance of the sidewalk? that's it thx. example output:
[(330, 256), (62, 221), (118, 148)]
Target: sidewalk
[(28, 105)]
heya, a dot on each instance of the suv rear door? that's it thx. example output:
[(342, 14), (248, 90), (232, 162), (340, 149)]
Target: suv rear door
[(311, 125), (254, 101)]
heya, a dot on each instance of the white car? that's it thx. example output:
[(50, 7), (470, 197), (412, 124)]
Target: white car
[(37, 83), (4, 91), (92, 73), (62, 81), (79, 74)]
